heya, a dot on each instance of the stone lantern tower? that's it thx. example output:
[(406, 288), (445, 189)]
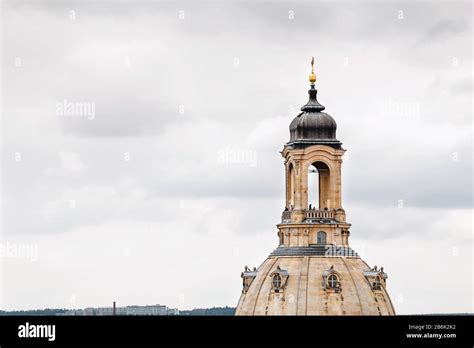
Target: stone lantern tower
[(314, 271)]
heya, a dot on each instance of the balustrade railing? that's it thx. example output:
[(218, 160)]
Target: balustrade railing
[(310, 214), (319, 214)]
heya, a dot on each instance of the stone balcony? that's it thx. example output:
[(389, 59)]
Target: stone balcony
[(310, 214), (319, 214)]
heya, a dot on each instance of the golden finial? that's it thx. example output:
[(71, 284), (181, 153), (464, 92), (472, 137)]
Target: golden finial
[(312, 76)]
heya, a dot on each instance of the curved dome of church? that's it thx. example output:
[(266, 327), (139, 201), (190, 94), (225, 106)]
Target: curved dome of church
[(314, 271), (315, 285)]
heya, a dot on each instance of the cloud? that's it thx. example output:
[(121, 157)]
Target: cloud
[(461, 87), (70, 162), (443, 30)]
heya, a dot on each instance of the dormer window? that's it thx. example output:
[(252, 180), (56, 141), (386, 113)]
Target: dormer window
[(376, 278), (331, 280), (279, 279), (247, 278)]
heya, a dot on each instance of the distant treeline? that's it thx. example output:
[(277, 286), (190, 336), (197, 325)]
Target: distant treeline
[(47, 311), (210, 311)]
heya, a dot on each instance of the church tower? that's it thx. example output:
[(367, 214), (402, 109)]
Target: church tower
[(313, 271)]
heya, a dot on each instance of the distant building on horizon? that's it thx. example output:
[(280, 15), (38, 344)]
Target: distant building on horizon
[(128, 310)]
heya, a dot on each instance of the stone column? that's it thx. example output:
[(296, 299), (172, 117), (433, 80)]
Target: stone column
[(298, 214)]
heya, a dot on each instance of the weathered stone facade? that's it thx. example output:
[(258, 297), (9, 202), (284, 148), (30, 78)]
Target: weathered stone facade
[(314, 271), (305, 292)]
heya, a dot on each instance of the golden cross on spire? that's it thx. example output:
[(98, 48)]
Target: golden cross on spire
[(312, 76)]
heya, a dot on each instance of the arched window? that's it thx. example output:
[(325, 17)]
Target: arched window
[(333, 282), (276, 281), (321, 237), (377, 285), (318, 186)]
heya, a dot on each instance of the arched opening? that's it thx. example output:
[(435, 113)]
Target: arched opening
[(377, 285), (313, 188), (291, 186), (321, 238), (318, 186)]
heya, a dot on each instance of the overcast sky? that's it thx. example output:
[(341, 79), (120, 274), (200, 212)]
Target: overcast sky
[(173, 180)]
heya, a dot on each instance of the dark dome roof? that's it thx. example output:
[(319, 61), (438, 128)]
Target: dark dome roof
[(312, 126)]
